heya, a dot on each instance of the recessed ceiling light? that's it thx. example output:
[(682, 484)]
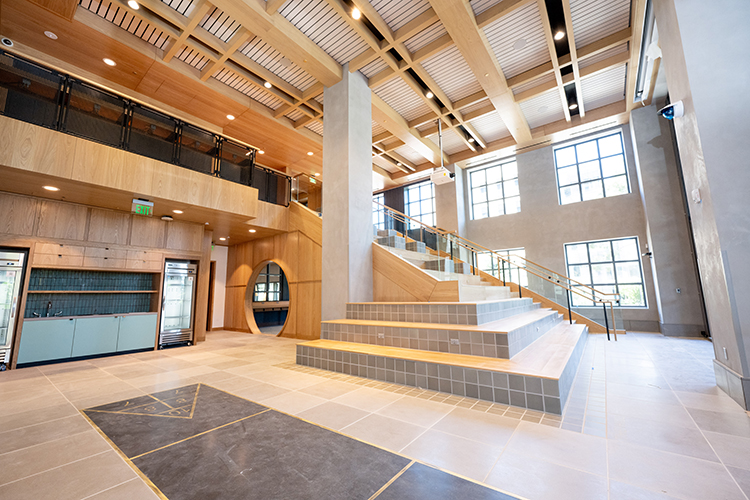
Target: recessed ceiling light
[(559, 35), (133, 4), (109, 62), (230, 117), (177, 211), (429, 95), (398, 164), (520, 43), (267, 85), (51, 188), (51, 35), (310, 153), (207, 223), (542, 109), (573, 106), (251, 230), (261, 152), (167, 218), (223, 239), (356, 14), (317, 174), (471, 139)]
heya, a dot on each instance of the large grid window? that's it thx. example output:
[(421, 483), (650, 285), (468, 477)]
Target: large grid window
[(420, 203), (378, 212), (503, 270), (268, 285), (610, 266), (494, 190), (592, 169)]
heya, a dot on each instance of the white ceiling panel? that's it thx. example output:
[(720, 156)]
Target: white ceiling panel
[(192, 57), (424, 127), (240, 84), (398, 95), (374, 67), (184, 7), (477, 105), (118, 16), (604, 88), (295, 115), (589, 61), (409, 154), (399, 12), (490, 127), (452, 74), (271, 59), (544, 108), (452, 143), (320, 23), (426, 36), (549, 77), (518, 40), (479, 6), (316, 127), (595, 19), (219, 24)]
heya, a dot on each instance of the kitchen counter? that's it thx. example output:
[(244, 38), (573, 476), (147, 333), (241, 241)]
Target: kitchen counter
[(115, 315)]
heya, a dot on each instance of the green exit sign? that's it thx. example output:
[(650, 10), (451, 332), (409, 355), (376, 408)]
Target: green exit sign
[(143, 207)]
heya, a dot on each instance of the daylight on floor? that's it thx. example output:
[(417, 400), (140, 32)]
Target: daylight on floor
[(374, 249)]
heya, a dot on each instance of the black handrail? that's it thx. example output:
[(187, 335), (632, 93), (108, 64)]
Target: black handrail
[(42, 96)]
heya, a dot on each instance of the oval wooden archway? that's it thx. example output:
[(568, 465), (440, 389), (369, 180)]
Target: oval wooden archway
[(249, 291)]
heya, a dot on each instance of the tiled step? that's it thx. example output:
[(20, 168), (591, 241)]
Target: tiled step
[(450, 313), (416, 246), (504, 338), (539, 378), (415, 258), (444, 265), (392, 241), (474, 293), (385, 233), (469, 279)]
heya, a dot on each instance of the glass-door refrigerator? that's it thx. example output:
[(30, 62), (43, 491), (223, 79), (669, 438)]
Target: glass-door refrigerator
[(178, 303), (11, 277)]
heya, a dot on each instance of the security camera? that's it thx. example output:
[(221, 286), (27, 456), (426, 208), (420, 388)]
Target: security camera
[(672, 111), (7, 42)]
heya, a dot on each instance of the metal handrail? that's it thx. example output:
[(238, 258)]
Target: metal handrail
[(471, 246)]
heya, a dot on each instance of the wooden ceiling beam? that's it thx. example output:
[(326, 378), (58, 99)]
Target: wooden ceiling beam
[(573, 57), (419, 23), (499, 10), (374, 17), (200, 10), (459, 21), (553, 56), (381, 137), (238, 40), (273, 5), (637, 14)]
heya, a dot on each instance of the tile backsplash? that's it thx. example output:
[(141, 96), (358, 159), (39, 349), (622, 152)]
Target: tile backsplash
[(65, 279)]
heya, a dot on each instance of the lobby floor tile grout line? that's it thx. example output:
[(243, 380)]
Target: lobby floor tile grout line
[(390, 481), (55, 467), (110, 488)]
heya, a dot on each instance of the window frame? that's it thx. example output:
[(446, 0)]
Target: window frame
[(511, 275), (378, 212), (498, 163), (266, 284), (420, 216), (599, 158), (614, 263)]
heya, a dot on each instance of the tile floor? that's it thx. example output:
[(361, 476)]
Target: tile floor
[(645, 420)]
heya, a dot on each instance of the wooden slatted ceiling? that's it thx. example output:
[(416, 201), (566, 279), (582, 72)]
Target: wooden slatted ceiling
[(377, 128), (399, 12), (295, 115), (374, 67), (240, 84), (219, 24), (120, 17), (427, 36), (549, 77), (490, 127), (476, 106), (452, 143), (320, 23), (410, 154), (316, 127), (184, 7), (192, 57), (479, 6), (603, 55), (271, 59), (595, 19), (398, 95), (452, 74), (506, 33), (544, 108), (604, 88)]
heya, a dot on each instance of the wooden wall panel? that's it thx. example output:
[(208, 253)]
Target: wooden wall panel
[(305, 221), (36, 149), (18, 214), (62, 220), (308, 310), (108, 226), (384, 290), (201, 297), (239, 262), (184, 236), (401, 274), (234, 309), (63, 8), (148, 232), (310, 259)]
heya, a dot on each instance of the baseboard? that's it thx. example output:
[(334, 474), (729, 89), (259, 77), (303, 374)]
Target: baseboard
[(734, 384)]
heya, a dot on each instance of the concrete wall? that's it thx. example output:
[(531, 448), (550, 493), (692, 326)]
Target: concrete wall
[(704, 48), (219, 255)]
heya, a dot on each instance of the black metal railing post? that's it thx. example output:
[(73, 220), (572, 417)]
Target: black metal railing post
[(570, 314), (606, 321), (520, 293)]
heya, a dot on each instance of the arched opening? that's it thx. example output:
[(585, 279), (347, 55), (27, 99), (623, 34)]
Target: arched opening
[(267, 299)]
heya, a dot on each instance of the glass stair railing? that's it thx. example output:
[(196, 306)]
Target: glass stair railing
[(448, 256)]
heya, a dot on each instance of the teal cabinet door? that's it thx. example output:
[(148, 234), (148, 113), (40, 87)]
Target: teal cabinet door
[(137, 331), (95, 335), (45, 340)]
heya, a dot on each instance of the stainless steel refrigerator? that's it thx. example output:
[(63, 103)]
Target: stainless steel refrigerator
[(11, 276), (178, 303)]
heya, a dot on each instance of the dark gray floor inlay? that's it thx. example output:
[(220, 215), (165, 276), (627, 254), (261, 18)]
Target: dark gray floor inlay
[(197, 442)]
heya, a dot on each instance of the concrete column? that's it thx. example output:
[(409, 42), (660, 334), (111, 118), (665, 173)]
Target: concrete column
[(449, 203), (703, 46), (347, 195), (672, 261)]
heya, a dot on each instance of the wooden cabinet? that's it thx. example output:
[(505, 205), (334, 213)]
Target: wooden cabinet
[(144, 260), (53, 254), (46, 339)]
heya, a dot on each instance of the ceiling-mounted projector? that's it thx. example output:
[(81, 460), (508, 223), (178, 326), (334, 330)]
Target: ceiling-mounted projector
[(442, 176)]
